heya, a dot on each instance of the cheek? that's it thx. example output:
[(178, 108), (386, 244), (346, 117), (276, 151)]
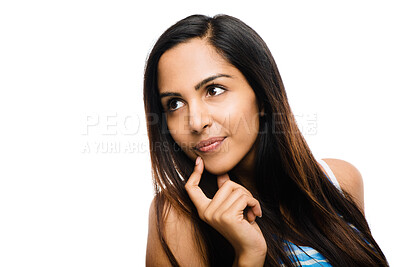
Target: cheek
[(242, 120), (180, 132)]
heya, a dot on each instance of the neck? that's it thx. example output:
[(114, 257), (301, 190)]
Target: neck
[(246, 179), (244, 171)]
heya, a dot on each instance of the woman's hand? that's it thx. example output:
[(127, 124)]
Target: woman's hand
[(225, 213)]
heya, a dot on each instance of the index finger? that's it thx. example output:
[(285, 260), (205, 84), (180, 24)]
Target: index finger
[(199, 199)]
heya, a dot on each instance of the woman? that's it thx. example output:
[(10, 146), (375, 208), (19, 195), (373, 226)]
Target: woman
[(235, 182)]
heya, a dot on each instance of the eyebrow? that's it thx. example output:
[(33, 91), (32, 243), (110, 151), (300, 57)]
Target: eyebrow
[(198, 86)]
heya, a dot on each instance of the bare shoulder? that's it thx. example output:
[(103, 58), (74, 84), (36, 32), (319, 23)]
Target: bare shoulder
[(179, 236), (349, 179)]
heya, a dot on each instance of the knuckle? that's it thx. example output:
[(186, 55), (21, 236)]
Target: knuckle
[(241, 191), (247, 192), (225, 217), (187, 186), (244, 197), (201, 215), (229, 184), (207, 216), (215, 217)]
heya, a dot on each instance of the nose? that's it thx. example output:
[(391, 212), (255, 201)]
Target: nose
[(199, 117)]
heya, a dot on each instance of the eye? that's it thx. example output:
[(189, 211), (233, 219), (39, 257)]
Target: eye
[(174, 104), (215, 90)]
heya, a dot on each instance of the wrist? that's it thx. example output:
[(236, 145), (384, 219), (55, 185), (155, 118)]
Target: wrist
[(249, 259)]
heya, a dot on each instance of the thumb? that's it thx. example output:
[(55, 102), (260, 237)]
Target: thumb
[(221, 179)]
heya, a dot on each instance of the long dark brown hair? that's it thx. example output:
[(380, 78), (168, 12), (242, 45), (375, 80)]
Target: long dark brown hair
[(288, 177)]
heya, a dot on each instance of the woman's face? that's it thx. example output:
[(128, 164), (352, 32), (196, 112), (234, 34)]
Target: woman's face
[(207, 99)]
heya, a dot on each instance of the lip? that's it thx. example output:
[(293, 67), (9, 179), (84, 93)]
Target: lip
[(209, 144)]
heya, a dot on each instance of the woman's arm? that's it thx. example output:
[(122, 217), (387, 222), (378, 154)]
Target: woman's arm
[(179, 236), (349, 179)]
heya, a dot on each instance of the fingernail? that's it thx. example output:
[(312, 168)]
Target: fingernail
[(252, 222), (198, 160), (259, 216)]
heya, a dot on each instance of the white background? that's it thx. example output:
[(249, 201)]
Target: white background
[(65, 65)]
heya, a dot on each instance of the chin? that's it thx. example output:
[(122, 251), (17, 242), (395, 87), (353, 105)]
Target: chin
[(216, 169)]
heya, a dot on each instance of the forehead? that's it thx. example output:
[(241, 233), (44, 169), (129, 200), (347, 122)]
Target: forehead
[(187, 63)]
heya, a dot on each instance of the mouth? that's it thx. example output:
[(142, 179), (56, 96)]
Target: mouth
[(210, 144)]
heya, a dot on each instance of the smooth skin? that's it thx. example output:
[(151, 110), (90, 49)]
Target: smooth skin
[(225, 213), (225, 106), (179, 228)]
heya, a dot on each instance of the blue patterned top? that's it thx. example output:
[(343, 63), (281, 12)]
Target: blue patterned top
[(307, 256)]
